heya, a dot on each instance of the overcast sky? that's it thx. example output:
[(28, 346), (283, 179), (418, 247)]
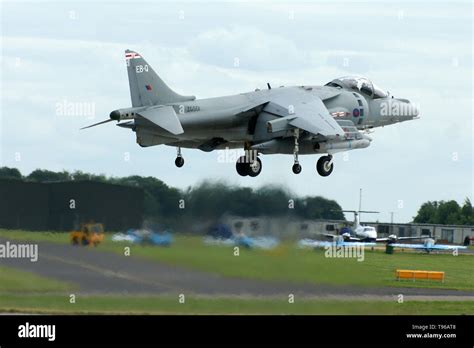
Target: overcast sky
[(55, 53)]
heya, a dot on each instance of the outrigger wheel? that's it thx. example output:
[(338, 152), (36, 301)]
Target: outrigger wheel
[(296, 168), (179, 161)]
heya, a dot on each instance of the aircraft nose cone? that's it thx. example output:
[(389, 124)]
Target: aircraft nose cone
[(411, 111), (115, 115), (407, 109)]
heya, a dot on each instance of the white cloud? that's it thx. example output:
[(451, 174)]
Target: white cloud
[(247, 47)]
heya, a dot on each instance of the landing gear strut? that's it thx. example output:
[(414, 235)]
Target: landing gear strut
[(179, 161), (296, 166), (325, 165), (246, 165)]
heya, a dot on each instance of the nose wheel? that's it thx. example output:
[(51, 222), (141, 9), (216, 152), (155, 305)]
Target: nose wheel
[(324, 166), (179, 161)]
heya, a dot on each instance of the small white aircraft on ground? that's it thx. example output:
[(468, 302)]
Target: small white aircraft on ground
[(362, 233)]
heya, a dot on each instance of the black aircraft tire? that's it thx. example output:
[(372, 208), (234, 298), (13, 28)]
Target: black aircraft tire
[(179, 162), (296, 168), (253, 169), (323, 167), (241, 166)]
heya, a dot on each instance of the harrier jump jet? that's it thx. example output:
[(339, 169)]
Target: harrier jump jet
[(297, 120)]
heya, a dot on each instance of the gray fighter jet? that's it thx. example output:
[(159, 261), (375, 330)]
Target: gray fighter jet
[(297, 120)]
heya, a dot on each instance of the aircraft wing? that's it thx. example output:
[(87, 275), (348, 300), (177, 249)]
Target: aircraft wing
[(364, 244), (313, 117), (310, 243), (303, 111), (353, 239), (428, 247), (400, 238), (305, 243), (447, 247), (408, 246), (335, 236)]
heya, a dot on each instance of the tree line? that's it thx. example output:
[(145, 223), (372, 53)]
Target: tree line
[(446, 213), (210, 200), (205, 201)]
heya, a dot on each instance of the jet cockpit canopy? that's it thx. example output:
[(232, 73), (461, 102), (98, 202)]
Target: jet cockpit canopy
[(359, 84)]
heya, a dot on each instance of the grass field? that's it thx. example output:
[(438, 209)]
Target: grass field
[(13, 280), (165, 305), (290, 264), (55, 237), (25, 292)]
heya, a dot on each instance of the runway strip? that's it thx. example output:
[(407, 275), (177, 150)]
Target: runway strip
[(101, 272)]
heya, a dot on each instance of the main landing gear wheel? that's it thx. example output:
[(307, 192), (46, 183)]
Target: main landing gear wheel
[(254, 168), (179, 161), (245, 168), (325, 165), (241, 166), (296, 168)]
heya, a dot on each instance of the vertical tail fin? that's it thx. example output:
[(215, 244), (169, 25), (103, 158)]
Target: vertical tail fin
[(146, 87), (356, 220)]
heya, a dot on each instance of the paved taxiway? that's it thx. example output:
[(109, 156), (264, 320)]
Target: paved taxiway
[(100, 272)]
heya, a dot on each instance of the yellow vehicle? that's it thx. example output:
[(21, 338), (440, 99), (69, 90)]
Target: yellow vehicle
[(90, 234)]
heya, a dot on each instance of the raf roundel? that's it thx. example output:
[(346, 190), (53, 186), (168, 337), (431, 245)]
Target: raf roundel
[(356, 112)]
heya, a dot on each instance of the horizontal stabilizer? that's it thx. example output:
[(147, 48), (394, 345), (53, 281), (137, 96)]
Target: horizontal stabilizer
[(164, 117)]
